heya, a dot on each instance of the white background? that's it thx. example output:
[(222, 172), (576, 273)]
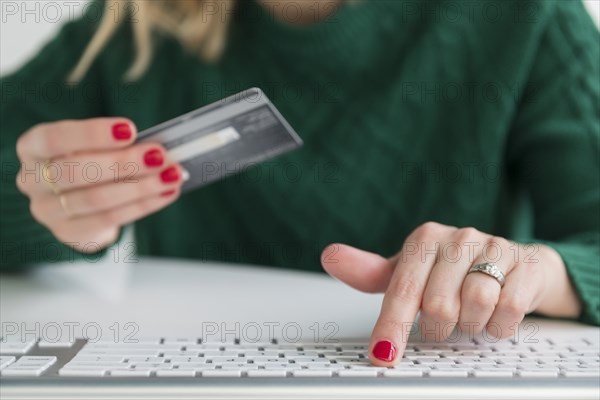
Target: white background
[(24, 31)]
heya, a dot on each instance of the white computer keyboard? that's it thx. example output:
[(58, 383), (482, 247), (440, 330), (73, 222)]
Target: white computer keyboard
[(193, 358)]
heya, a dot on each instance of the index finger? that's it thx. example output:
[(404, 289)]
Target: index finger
[(48, 140), (404, 295)]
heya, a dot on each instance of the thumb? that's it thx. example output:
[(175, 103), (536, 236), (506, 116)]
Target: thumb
[(367, 272)]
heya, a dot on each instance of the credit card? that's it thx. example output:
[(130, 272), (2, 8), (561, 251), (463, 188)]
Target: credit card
[(225, 137)]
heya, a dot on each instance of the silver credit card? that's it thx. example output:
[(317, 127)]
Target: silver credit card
[(225, 137)]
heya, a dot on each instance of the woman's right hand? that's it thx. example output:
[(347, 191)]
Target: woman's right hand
[(86, 179)]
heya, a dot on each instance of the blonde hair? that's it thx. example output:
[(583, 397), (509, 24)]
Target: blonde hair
[(199, 25)]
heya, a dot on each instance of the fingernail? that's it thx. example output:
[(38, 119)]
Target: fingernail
[(154, 158), (384, 351), (168, 193), (121, 131), (169, 175)]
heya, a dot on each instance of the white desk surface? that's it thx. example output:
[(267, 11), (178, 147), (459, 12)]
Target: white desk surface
[(176, 298), (179, 298)]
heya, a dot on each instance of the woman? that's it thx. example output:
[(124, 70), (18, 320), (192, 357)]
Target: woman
[(459, 140)]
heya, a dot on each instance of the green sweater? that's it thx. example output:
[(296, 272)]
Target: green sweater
[(482, 115)]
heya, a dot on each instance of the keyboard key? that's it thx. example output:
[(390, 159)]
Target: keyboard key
[(134, 373), (221, 373), (589, 360), (348, 354), (448, 373), (138, 359), (285, 347), (5, 361), (181, 341), (347, 360), (422, 356), (93, 359), (363, 365), (511, 360), (267, 360), (585, 366), (309, 360), (433, 361), (257, 344), (579, 354), (176, 373), (361, 348), (179, 359), (118, 352), (454, 367), (437, 347), (224, 354), (14, 347), (29, 366), (134, 342), (239, 366), (518, 362), (39, 361), (405, 361), (312, 373), (550, 360), (207, 346), (503, 344), (22, 371), (320, 348), (243, 348), (333, 366), (464, 347), (102, 366), (301, 354), (261, 354), (472, 354), (356, 373), (153, 366), (538, 374), (415, 367), (512, 370), (283, 366), (195, 366), (186, 353), (218, 340), (227, 359), (492, 373), (267, 373), (124, 347), (496, 354), (569, 365), (537, 367), (474, 361), (356, 365), (403, 373), (581, 374)]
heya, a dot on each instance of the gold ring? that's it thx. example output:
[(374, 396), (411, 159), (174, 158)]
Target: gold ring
[(63, 204), (51, 185)]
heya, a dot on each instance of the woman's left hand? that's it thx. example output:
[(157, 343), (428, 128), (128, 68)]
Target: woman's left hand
[(430, 275)]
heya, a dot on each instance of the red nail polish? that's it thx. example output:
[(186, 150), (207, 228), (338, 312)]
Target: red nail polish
[(121, 131), (384, 351), (169, 175), (168, 193), (154, 158)]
